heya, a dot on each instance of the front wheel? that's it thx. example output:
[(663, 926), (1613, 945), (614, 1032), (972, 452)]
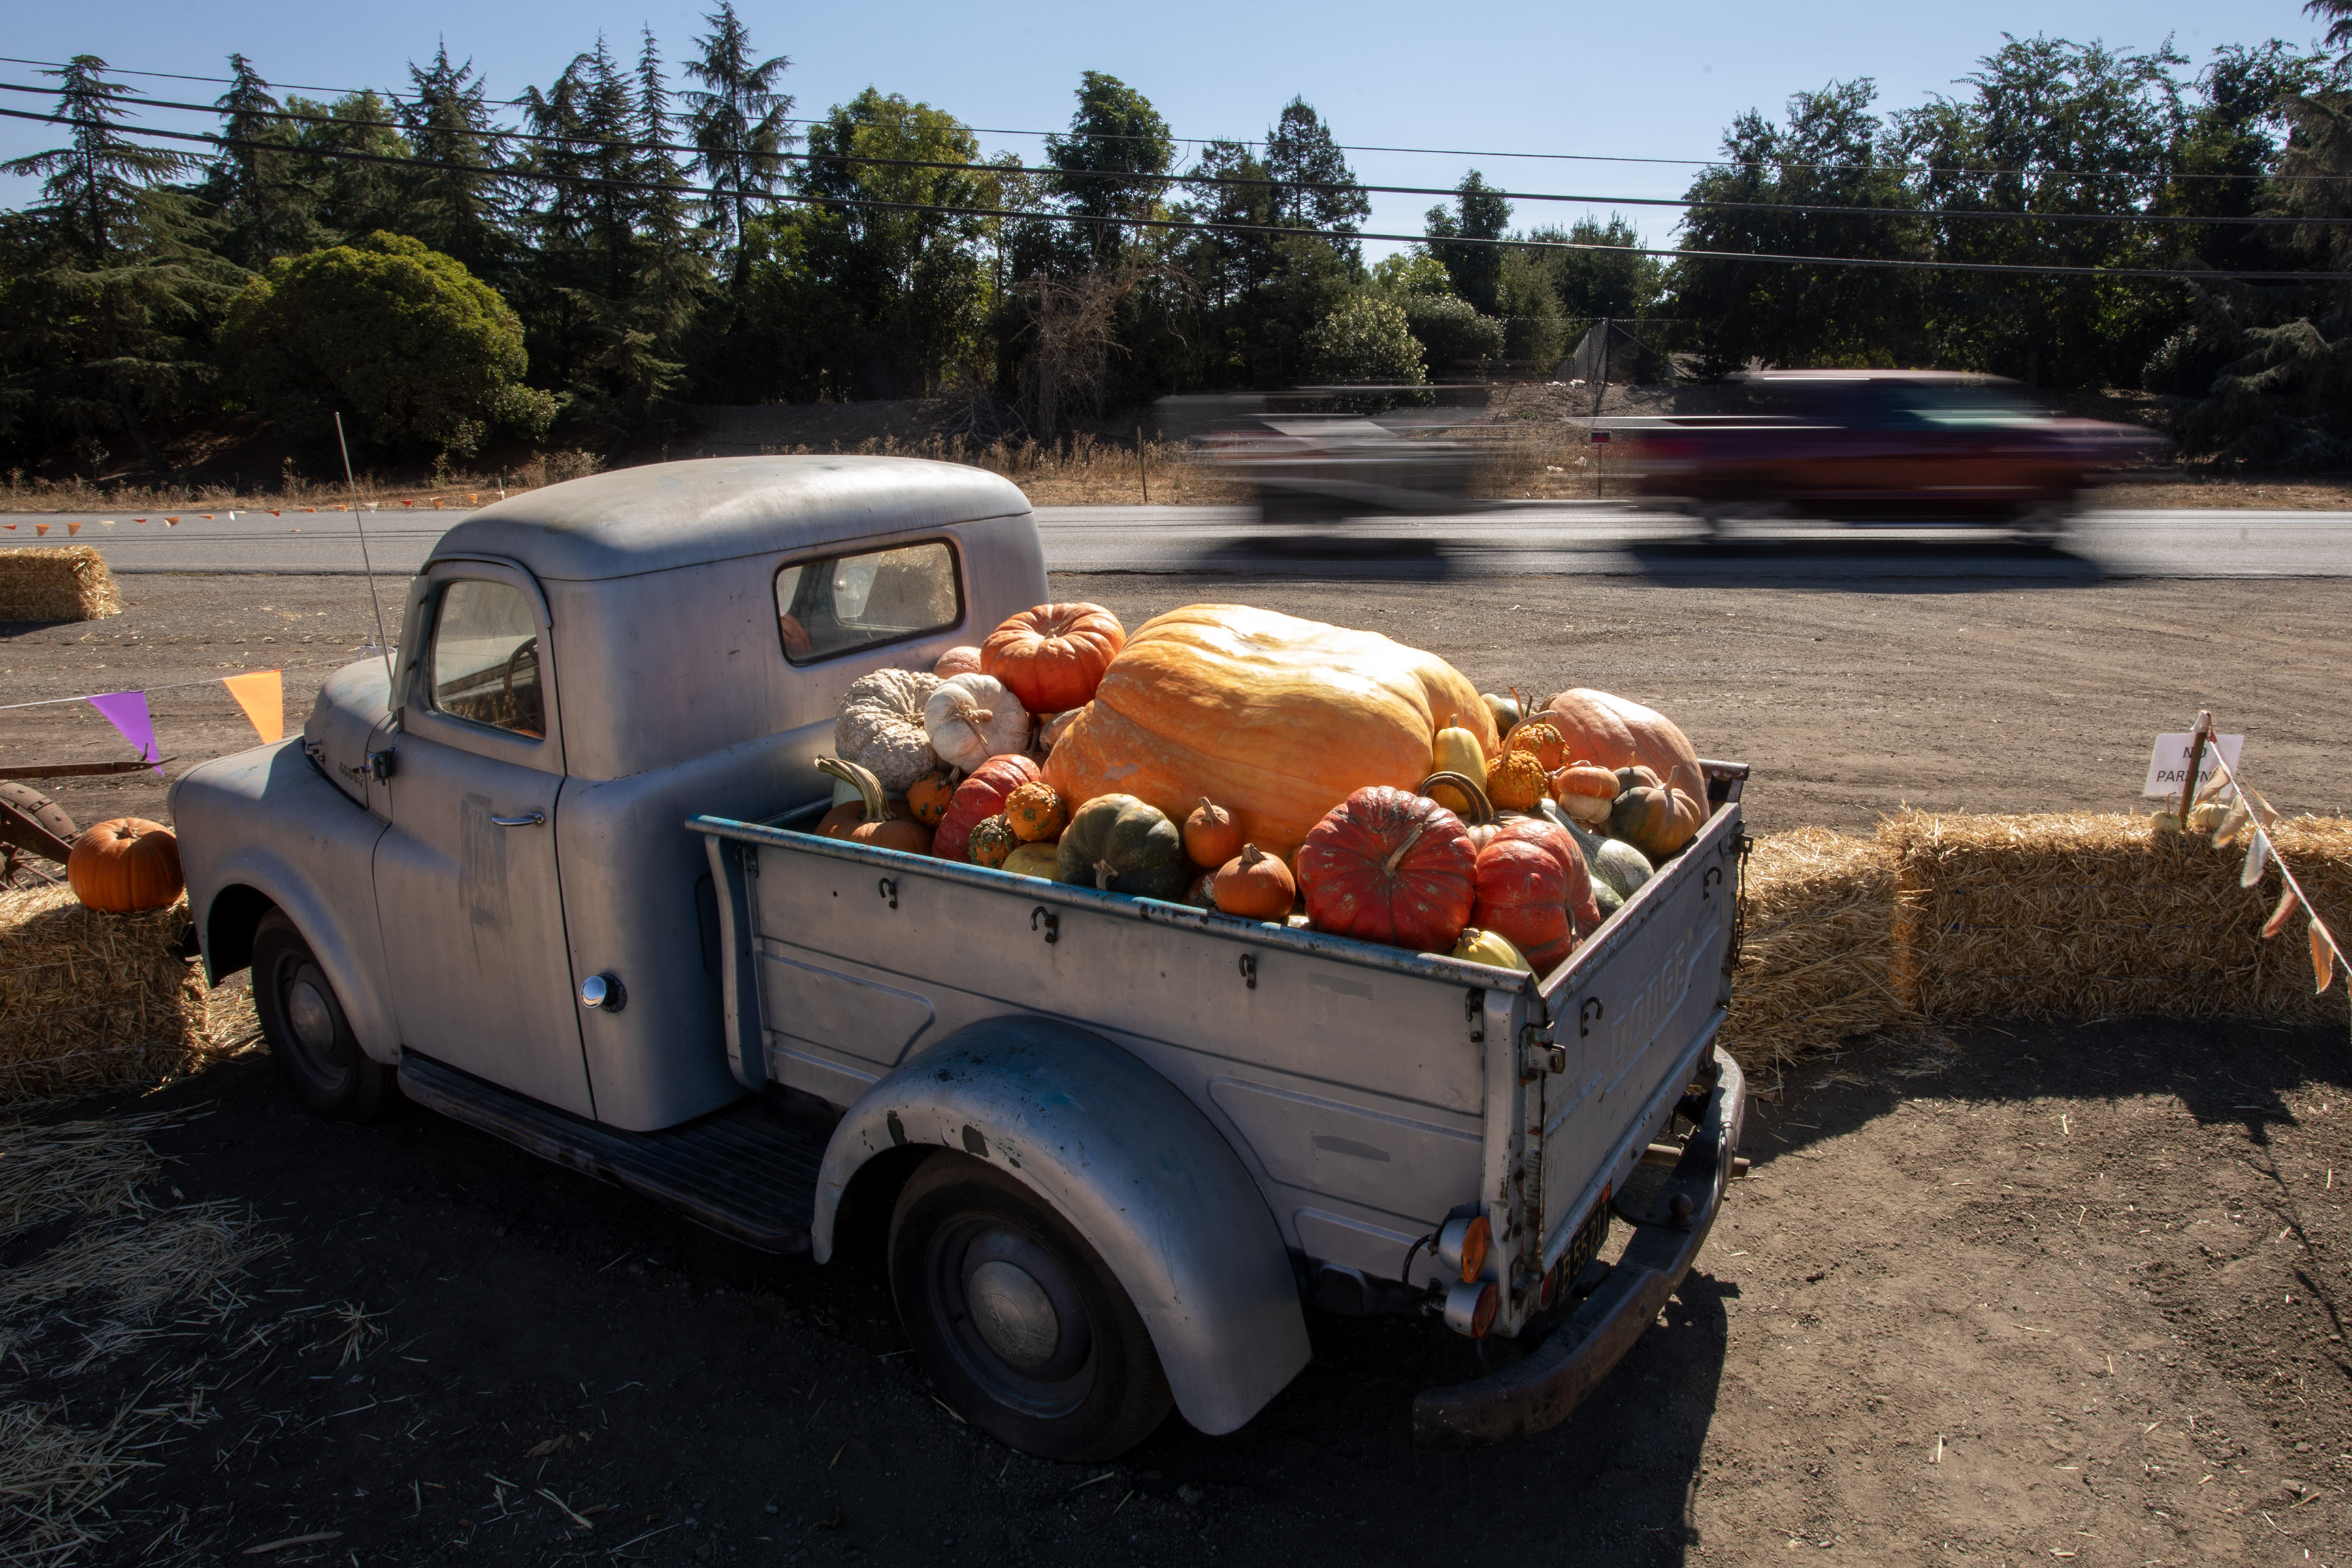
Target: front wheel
[(1016, 1318), (303, 1019)]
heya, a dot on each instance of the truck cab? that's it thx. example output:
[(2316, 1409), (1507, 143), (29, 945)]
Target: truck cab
[(545, 868)]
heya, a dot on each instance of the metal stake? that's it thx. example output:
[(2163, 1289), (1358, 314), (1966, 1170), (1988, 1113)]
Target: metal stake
[(366, 565)]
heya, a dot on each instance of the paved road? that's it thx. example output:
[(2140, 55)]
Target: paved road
[(1592, 540)]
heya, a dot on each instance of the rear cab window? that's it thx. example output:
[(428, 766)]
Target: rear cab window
[(844, 602)]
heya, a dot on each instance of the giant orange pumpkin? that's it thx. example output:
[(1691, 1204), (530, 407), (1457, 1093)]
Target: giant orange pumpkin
[(1277, 719), (1615, 733), (125, 865), (1053, 657)]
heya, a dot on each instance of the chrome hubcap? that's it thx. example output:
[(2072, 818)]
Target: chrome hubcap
[(306, 1015), (1012, 1313)]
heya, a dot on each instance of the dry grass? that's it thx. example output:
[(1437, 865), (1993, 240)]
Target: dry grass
[(57, 583), (293, 491), (91, 1001), (124, 1270)]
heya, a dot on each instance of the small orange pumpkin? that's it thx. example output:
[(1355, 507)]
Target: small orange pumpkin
[(1212, 836), (1255, 885), (125, 865), (964, 660), (1585, 793), (871, 822), (1036, 812), (994, 842), (928, 797), (1549, 748)]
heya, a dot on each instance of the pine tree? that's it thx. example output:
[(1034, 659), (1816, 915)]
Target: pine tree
[(1113, 164), (738, 121), (1479, 213), (263, 210), (104, 322), (451, 199)]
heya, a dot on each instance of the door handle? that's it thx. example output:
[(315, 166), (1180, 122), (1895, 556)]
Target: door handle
[(529, 819)]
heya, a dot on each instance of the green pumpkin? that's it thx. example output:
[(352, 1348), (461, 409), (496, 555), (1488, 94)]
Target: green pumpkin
[(992, 841), (1118, 843)]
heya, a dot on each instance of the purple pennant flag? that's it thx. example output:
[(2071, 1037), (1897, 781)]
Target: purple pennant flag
[(127, 712)]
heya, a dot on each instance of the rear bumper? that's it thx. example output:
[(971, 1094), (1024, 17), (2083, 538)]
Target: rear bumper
[(1542, 1389)]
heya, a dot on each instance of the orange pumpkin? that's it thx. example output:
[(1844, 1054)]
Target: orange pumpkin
[(1256, 886), (1035, 813), (1212, 836), (1615, 733), (1277, 719), (125, 865), (1544, 740), (1053, 657), (964, 660), (928, 797), (872, 822), (1517, 782)]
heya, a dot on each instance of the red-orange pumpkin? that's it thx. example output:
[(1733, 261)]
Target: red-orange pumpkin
[(1615, 733), (978, 798), (1387, 864), (125, 865), (1255, 885), (1584, 910), (964, 660), (1053, 657), (1523, 895)]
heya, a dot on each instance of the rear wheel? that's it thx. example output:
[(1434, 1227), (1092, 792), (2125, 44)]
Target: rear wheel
[(303, 1019), (1017, 1319)]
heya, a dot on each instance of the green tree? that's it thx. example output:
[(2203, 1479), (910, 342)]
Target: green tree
[(1113, 163), (897, 294), (259, 203), (1365, 339), (1453, 336), (1315, 189), (740, 126), (1411, 272), (1479, 213), (349, 195), (424, 357), (1834, 152), (1533, 332), (1589, 284), (449, 196), (111, 292)]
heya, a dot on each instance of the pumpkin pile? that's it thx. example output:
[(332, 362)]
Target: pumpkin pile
[(1272, 769)]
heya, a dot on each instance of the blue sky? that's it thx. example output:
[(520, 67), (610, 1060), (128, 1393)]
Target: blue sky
[(1641, 80)]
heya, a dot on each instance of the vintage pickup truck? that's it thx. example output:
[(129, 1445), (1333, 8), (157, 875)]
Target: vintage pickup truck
[(545, 870)]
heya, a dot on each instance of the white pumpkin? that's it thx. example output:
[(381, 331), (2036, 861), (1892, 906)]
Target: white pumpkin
[(972, 718), (881, 726)]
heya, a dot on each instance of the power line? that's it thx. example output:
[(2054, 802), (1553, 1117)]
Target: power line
[(1188, 226), (1074, 134), (1235, 182)]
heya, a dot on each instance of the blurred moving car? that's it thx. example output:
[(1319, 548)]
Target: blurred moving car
[(1306, 464), (1880, 446)]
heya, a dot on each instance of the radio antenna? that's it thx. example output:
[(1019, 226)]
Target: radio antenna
[(366, 565)]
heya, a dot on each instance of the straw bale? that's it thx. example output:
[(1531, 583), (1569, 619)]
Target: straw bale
[(2081, 915), (57, 583), (1818, 954), (91, 1001)]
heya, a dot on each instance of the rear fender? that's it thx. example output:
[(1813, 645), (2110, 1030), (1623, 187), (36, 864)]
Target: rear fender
[(264, 827), (1133, 1166)]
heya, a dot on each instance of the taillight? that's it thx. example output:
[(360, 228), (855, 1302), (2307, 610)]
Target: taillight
[(1470, 1308), (1463, 1244)]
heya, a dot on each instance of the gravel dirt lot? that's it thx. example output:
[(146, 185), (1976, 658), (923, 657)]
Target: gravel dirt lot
[(1994, 1297)]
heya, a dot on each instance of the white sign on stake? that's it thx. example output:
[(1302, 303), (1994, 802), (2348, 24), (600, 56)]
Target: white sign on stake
[(2168, 764)]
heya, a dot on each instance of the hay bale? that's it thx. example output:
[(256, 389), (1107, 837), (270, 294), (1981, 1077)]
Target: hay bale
[(59, 582), (1816, 962), (91, 1001), (2081, 915)]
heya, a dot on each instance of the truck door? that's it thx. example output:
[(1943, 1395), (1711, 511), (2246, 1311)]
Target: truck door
[(466, 879)]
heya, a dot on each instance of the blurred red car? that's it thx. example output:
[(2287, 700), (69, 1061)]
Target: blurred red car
[(1880, 446)]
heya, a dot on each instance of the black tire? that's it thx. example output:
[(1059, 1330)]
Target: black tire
[(303, 1019), (1090, 1386)]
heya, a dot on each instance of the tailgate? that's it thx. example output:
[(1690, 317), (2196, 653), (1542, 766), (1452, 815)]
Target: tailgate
[(1633, 1014)]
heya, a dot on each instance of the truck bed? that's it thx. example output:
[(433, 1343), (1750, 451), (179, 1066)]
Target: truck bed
[(1370, 1090)]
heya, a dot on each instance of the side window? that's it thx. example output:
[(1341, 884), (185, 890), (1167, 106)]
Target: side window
[(850, 602), (484, 664)]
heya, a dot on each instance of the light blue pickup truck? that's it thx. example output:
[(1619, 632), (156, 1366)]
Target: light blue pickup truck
[(548, 870)]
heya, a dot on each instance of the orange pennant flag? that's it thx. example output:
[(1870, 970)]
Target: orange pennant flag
[(262, 695), (72, 529), (40, 531)]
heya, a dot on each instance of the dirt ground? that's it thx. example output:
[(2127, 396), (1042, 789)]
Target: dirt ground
[(1960, 1315), (1950, 696)]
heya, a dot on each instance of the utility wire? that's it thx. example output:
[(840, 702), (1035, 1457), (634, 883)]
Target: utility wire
[(1188, 226), (1237, 182), (1074, 134)]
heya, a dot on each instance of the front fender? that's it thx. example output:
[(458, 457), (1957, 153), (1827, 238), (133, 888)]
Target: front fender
[(267, 820), (1121, 1154)]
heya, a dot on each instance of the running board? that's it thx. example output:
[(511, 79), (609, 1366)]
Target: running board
[(740, 1171)]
